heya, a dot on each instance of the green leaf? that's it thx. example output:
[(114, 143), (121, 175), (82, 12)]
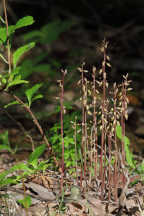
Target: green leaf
[(129, 155), (14, 72), (26, 202), (11, 103), (34, 163), (3, 175), (4, 180), (140, 168), (50, 32), (43, 68), (30, 92), (4, 138), (39, 96), (25, 21), (33, 35), (3, 80), (37, 153), (20, 51), (27, 68), (3, 33), (17, 81), (4, 141), (43, 165), (119, 131), (20, 166), (5, 147), (9, 180)]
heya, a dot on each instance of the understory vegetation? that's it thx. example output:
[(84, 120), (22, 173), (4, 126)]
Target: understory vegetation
[(85, 143)]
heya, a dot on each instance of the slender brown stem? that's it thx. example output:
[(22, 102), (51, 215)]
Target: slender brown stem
[(62, 133), (8, 42), (123, 119), (84, 101), (34, 119), (109, 166), (115, 140), (103, 135), (95, 139), (76, 154)]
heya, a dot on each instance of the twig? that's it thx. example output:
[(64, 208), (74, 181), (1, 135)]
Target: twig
[(8, 42), (34, 119)]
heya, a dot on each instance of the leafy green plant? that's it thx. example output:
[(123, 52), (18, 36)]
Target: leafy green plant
[(47, 34), (129, 155), (13, 76), (20, 51), (23, 22), (136, 166), (26, 202), (30, 167), (55, 140)]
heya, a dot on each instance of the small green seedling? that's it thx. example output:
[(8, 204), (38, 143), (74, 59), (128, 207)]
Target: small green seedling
[(26, 202)]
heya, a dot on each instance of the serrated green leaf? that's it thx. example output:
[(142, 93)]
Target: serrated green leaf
[(37, 153), (11, 103), (30, 92), (25, 21), (20, 51)]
